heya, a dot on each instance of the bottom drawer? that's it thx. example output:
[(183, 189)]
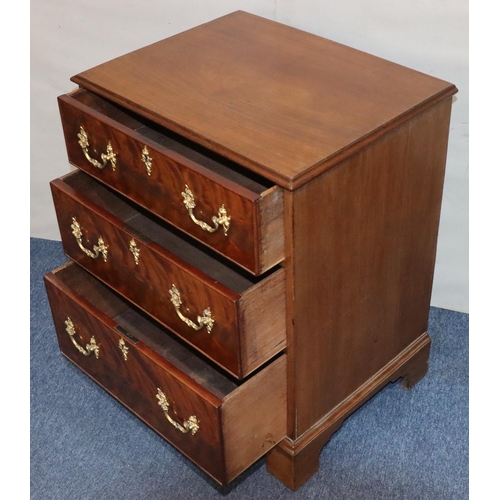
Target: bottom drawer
[(220, 424)]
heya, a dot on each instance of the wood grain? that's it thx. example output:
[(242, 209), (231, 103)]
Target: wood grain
[(287, 104)]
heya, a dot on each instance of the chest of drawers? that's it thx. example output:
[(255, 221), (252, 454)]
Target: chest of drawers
[(252, 229)]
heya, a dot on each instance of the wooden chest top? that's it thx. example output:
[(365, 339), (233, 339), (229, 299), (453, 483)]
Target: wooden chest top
[(284, 103)]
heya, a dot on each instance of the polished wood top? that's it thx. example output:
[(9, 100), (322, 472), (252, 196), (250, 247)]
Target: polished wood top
[(284, 103)]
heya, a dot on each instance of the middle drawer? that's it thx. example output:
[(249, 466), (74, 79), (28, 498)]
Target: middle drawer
[(235, 319)]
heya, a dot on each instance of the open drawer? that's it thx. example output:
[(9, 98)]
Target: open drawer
[(222, 425), (234, 318), (211, 199)]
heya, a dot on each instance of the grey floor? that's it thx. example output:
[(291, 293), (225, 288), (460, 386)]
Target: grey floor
[(401, 445)]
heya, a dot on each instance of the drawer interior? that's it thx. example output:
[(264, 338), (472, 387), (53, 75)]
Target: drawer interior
[(174, 142), (152, 229), (138, 327)]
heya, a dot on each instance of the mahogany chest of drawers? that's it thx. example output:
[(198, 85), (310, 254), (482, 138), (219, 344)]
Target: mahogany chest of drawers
[(252, 229)]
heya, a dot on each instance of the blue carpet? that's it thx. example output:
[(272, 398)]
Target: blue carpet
[(401, 445)]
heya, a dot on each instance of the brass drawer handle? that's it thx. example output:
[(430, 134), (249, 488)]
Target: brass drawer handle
[(203, 321), (221, 219), (83, 142), (99, 249), (191, 425), (90, 348)]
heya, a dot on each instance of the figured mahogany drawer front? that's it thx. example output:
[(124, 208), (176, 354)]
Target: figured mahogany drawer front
[(219, 425), (235, 319), (212, 201)]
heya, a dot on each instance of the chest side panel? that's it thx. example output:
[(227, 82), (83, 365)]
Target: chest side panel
[(364, 241)]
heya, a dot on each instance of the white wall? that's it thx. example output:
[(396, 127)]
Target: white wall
[(431, 37), (69, 36)]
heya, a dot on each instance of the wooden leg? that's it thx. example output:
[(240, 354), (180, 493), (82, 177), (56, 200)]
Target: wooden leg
[(294, 462), (416, 368), (294, 468)]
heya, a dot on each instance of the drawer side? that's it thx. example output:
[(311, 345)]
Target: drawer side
[(262, 313), (272, 228), (254, 418)]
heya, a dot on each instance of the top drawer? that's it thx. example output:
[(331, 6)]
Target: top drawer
[(200, 193)]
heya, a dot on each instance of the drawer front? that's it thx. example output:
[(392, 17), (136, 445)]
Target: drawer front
[(202, 425), (208, 315), (243, 225)]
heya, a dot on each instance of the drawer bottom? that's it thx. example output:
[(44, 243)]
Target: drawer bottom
[(221, 424)]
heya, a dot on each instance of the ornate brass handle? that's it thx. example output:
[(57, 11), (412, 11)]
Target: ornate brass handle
[(98, 249), (203, 321), (110, 156), (147, 160), (191, 425), (123, 348), (90, 348), (134, 250), (221, 219)]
